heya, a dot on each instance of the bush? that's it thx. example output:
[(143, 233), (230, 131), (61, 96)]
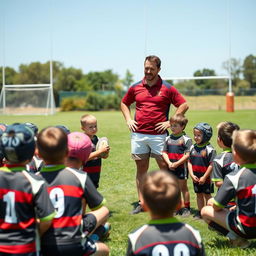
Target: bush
[(93, 102), (69, 104)]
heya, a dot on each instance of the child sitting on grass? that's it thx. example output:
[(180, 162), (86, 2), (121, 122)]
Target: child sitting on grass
[(164, 234), (239, 224)]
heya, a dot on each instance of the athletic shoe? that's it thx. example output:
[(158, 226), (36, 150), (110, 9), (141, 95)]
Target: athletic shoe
[(137, 210), (185, 212), (240, 242)]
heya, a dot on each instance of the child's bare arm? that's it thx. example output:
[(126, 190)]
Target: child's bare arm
[(181, 161), (190, 170), (166, 159), (206, 175), (97, 153)]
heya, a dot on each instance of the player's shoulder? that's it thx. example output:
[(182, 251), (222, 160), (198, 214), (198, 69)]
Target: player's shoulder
[(167, 84), (136, 84)]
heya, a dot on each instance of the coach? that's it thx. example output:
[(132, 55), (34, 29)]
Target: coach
[(153, 98)]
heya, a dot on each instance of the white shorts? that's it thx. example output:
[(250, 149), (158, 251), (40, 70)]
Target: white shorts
[(145, 145)]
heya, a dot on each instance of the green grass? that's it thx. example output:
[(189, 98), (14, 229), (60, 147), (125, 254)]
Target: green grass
[(118, 175)]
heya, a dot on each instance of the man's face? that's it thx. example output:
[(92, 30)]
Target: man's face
[(150, 70)]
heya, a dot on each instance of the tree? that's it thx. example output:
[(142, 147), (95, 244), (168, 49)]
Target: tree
[(249, 70), (128, 79), (205, 83), (235, 70), (67, 79), (9, 75), (97, 81)]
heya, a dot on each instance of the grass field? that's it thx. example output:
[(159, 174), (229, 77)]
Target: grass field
[(118, 175)]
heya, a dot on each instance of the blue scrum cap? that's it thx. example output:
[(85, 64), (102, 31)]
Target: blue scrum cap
[(17, 143), (63, 128), (206, 129), (33, 127)]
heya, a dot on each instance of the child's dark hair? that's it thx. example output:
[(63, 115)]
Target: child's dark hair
[(225, 131), (161, 193), (180, 119), (52, 144)]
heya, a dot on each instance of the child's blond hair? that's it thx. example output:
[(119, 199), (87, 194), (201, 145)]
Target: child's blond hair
[(84, 119), (161, 193), (244, 143)]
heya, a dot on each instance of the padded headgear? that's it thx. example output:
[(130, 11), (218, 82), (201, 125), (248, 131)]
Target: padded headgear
[(206, 129), (17, 143)]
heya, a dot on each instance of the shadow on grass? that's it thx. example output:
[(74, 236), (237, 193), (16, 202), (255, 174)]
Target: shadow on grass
[(218, 242)]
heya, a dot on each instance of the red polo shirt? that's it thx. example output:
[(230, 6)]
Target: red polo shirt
[(152, 103)]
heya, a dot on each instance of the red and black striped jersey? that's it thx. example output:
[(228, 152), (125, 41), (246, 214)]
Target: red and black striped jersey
[(23, 199), (176, 146), (67, 189), (223, 164), (165, 237), (94, 165), (200, 158), (241, 185)]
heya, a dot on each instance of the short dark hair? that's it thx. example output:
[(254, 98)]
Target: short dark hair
[(161, 192), (225, 131), (155, 59), (180, 119), (52, 144)]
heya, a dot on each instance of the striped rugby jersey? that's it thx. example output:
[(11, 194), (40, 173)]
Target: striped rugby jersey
[(241, 185), (165, 237), (200, 158), (67, 189), (23, 199), (93, 167), (175, 146), (223, 164)]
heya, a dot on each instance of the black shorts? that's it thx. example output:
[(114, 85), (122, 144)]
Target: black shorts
[(88, 248), (89, 223), (206, 188), (233, 224)]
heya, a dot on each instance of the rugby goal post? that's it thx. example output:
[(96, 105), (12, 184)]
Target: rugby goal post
[(27, 99)]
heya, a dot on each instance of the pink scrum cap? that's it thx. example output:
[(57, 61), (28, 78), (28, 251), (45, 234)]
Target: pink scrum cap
[(79, 146)]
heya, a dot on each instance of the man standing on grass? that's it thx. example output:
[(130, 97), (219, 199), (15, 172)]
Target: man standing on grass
[(153, 98)]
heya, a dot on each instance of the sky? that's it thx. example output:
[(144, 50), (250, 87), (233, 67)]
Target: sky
[(115, 34)]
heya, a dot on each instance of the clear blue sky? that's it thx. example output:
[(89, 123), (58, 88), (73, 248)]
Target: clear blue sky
[(115, 34)]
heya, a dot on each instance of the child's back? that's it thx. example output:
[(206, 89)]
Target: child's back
[(164, 234)]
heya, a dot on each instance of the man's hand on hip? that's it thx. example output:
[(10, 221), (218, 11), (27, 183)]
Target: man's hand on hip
[(132, 125), (162, 126)]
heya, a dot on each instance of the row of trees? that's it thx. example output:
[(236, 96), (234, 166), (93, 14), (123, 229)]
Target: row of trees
[(243, 76), (73, 79)]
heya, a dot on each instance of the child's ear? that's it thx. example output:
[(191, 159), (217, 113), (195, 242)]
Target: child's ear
[(144, 206), (236, 157), (82, 128)]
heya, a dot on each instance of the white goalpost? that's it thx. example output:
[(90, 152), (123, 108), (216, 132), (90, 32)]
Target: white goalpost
[(27, 99)]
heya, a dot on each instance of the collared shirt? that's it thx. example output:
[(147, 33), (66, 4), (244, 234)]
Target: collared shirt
[(152, 103)]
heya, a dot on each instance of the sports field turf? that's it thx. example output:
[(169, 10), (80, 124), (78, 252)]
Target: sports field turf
[(118, 176)]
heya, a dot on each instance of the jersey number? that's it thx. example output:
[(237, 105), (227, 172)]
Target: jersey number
[(162, 250), (57, 198), (10, 214)]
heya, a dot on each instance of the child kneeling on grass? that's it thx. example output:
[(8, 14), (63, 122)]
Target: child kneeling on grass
[(238, 224), (164, 234)]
